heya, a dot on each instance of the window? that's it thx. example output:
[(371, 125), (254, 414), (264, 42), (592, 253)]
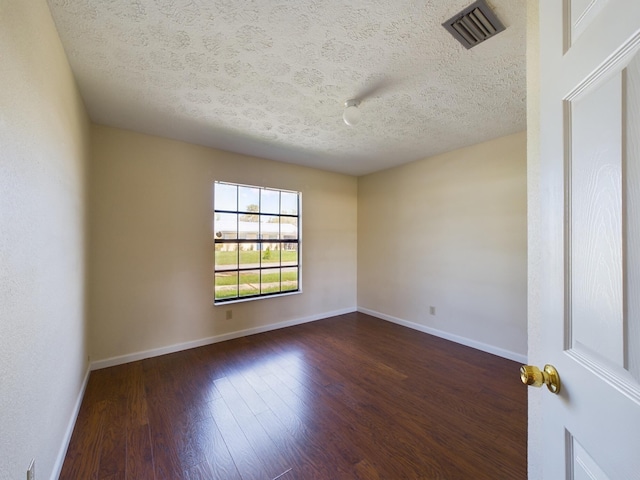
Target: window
[(257, 242)]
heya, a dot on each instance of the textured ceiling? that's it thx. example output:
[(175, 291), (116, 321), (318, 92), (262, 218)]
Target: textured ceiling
[(270, 78)]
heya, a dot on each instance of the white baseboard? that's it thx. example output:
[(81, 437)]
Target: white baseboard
[(501, 352), (57, 467), (132, 357)]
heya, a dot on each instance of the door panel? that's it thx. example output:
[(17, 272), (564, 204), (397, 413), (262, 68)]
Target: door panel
[(589, 291), (602, 240), (594, 197), (583, 466), (580, 13)]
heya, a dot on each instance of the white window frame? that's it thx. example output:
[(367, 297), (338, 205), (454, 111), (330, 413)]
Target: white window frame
[(236, 240)]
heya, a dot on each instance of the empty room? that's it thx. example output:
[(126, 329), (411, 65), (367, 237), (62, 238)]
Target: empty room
[(319, 240)]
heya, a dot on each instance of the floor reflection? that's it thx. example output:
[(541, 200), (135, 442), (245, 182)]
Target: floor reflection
[(259, 403)]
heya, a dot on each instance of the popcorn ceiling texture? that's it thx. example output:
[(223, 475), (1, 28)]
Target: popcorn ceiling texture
[(270, 78)]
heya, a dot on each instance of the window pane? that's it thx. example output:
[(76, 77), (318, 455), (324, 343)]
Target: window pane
[(269, 227), (270, 201), (226, 257), (289, 228), (226, 285), (225, 197), (249, 283), (289, 254), (248, 226), (249, 255), (289, 279), (270, 280), (225, 226), (249, 199), (289, 203), (270, 255)]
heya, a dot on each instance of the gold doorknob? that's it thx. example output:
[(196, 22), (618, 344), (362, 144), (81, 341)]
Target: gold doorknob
[(531, 375)]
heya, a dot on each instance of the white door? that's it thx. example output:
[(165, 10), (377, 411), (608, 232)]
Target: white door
[(589, 242)]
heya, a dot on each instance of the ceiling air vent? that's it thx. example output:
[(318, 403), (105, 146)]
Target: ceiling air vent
[(474, 24)]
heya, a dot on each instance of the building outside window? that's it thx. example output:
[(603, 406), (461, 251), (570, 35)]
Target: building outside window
[(257, 242)]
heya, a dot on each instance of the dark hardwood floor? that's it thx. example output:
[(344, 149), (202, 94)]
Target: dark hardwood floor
[(349, 397)]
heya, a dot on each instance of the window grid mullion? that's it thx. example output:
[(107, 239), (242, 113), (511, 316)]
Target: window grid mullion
[(260, 238), (260, 242)]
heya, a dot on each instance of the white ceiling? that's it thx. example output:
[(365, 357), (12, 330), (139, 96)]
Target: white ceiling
[(270, 77)]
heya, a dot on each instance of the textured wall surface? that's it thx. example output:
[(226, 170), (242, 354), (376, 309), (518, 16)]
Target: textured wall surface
[(43, 139), (151, 280), (450, 232), (270, 78)]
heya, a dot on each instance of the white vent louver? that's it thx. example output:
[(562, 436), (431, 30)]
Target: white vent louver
[(474, 24)]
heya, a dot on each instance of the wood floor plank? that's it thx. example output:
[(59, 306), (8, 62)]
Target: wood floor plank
[(83, 455), (257, 437), (331, 446), (161, 409), (139, 453), (248, 394), (411, 423), (247, 461), (115, 476), (348, 397), (373, 432), (216, 451), (312, 440), (362, 383), (302, 465), (201, 471), (114, 443), (136, 397)]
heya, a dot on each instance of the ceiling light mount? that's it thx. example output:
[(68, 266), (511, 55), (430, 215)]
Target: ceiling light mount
[(351, 114)]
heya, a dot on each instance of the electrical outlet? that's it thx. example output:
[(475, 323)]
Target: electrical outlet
[(31, 471), (432, 310), (229, 314)]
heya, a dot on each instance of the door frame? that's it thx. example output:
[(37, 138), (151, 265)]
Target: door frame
[(534, 254)]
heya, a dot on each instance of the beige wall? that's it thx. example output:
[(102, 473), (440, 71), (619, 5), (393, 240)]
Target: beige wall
[(43, 139), (151, 243), (450, 231)]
